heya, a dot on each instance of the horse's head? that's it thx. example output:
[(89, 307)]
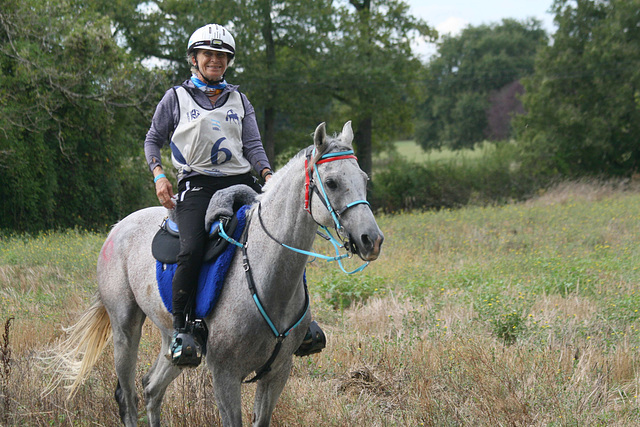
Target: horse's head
[(340, 188)]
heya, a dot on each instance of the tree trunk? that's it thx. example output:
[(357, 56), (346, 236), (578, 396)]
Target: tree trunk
[(362, 136), (362, 142), (269, 138)]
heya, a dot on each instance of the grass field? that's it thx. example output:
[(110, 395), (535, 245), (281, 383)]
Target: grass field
[(411, 151), (524, 314)]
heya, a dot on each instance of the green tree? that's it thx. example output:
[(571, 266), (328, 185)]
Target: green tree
[(583, 111), (300, 62), (70, 113), (157, 32), (277, 44), (279, 68), (323, 60), (467, 73), (372, 71)]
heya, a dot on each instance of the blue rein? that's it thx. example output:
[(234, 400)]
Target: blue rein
[(337, 245)]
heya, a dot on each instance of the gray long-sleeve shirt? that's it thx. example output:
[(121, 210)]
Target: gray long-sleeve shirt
[(167, 114)]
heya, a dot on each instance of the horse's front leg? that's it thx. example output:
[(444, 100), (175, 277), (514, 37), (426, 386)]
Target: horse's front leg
[(268, 392), (227, 389)]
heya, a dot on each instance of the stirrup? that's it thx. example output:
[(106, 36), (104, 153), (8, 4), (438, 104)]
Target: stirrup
[(188, 345), (184, 350), (313, 342)]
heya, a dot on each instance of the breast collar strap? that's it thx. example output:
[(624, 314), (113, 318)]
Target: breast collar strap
[(280, 336)]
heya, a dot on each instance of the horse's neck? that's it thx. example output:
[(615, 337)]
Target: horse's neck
[(279, 270), (283, 211)]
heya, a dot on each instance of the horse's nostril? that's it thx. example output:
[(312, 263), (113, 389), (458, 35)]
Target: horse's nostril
[(366, 241)]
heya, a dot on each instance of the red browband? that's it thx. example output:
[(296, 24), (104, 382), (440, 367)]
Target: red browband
[(330, 159), (307, 181)]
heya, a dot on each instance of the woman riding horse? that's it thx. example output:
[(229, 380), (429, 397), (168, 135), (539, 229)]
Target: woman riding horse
[(212, 130)]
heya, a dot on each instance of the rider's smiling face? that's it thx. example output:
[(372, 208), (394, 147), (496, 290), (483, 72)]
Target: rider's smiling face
[(211, 64)]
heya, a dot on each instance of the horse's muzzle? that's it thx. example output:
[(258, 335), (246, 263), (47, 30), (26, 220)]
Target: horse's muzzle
[(368, 246)]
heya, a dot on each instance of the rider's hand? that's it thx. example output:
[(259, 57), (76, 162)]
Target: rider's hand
[(164, 191), (266, 174)]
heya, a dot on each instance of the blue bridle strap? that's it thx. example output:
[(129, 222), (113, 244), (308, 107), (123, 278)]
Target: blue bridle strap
[(337, 154), (325, 198)]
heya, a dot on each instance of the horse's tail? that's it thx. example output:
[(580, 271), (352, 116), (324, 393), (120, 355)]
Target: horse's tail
[(71, 360)]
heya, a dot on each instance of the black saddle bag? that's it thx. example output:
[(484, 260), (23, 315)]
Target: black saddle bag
[(166, 243)]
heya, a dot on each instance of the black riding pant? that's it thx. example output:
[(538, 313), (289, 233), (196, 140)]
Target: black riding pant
[(194, 194)]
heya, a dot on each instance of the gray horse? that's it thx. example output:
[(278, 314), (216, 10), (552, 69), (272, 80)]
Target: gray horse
[(240, 342)]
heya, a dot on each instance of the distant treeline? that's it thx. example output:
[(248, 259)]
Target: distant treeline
[(80, 80)]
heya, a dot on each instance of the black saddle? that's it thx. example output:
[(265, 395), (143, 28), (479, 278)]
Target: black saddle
[(166, 243)]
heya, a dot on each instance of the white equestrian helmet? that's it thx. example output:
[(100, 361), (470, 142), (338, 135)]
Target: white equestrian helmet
[(213, 37)]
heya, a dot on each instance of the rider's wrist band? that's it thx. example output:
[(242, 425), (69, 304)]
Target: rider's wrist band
[(158, 177), (266, 174)]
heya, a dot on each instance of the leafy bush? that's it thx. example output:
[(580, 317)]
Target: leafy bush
[(505, 316), (496, 177), (70, 146), (341, 291)]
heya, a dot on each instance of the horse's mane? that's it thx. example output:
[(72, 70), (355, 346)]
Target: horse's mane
[(278, 174), (332, 144)]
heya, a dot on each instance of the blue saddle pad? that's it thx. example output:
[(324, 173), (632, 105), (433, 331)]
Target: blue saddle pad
[(212, 274)]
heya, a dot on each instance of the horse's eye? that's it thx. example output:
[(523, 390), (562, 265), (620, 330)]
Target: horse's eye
[(331, 184)]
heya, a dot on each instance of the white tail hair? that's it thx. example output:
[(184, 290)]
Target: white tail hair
[(72, 359)]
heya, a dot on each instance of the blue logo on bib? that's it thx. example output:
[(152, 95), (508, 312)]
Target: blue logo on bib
[(193, 114), (232, 117)]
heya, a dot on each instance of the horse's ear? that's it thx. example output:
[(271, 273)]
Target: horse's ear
[(320, 135), (347, 133)]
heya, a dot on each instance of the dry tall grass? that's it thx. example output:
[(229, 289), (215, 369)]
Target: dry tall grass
[(424, 341)]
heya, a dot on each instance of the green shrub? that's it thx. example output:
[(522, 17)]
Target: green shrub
[(504, 315), (341, 291), (494, 177)]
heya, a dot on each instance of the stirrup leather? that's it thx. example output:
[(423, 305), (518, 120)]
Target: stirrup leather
[(313, 342)]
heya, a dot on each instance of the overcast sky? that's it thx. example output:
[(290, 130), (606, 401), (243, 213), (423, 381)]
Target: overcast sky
[(451, 16)]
